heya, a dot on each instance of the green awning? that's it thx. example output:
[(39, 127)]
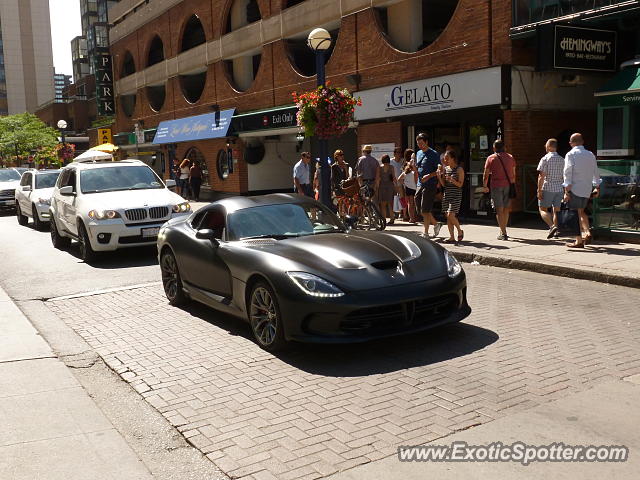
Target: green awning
[(625, 82)]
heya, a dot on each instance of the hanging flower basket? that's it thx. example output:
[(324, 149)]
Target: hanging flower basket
[(326, 111), (66, 151)]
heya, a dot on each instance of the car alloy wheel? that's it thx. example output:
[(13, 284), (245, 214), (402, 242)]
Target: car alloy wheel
[(22, 219), (264, 316), (37, 223), (171, 280), (86, 252), (57, 240)]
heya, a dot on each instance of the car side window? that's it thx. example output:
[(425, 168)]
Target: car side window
[(214, 220), (62, 179), (25, 180), (71, 180), (197, 219)]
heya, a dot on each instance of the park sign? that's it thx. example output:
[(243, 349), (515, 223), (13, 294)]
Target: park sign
[(104, 82)]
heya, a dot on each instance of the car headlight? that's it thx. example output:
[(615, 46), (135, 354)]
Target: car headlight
[(315, 286), (453, 266), (103, 214), (44, 201), (182, 207)]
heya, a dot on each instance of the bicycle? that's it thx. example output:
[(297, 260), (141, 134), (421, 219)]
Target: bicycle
[(357, 202)]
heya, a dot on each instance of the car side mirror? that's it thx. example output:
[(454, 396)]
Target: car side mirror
[(26, 188), (207, 234), (170, 183), (67, 191)]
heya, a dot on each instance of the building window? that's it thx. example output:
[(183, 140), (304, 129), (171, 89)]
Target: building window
[(193, 85), (411, 25), (156, 96), (242, 71), (193, 34), (222, 164), (241, 13), (291, 3), (156, 51), (302, 58), (128, 65), (128, 104)]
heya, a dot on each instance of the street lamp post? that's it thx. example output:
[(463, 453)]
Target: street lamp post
[(319, 41), (62, 124)]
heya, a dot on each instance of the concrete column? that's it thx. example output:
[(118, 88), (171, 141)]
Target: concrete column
[(238, 14), (243, 72), (405, 24)]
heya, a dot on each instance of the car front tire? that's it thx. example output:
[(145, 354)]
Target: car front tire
[(58, 240), (37, 223), (86, 251), (265, 318), (171, 281), (22, 219)]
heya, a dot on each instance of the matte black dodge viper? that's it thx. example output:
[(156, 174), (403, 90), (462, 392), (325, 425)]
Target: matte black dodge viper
[(296, 272)]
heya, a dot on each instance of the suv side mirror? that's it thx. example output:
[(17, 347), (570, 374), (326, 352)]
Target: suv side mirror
[(26, 188), (170, 183), (67, 191), (207, 234)]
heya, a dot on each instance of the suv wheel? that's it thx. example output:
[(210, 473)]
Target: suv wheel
[(37, 223), (22, 219), (58, 241), (86, 252)]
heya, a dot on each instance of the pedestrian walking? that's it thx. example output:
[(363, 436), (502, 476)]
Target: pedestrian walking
[(500, 167), (451, 177), (301, 175), (387, 189), (581, 182), (340, 171), (550, 179), (195, 178), (184, 178), (397, 162), (368, 170), (408, 178), (427, 161)]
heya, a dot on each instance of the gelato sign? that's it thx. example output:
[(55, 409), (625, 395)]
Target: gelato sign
[(584, 49), (463, 90)]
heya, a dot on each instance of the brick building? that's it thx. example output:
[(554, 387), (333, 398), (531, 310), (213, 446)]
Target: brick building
[(450, 68)]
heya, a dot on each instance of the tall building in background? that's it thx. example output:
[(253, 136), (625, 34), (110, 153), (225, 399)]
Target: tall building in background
[(26, 56), (60, 82)]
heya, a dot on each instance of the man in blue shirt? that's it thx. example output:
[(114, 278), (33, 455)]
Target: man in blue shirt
[(428, 163)]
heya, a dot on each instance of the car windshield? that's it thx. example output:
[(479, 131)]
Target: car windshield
[(110, 179), (282, 221), (46, 180), (8, 175)]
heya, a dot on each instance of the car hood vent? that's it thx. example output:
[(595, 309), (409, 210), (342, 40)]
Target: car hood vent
[(259, 241), (386, 264)]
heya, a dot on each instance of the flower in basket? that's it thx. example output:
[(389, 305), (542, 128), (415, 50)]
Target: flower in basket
[(326, 111)]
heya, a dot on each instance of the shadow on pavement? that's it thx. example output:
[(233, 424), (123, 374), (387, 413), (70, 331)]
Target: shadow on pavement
[(123, 258)]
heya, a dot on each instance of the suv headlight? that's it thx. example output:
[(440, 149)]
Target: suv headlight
[(453, 266), (103, 214), (315, 286), (182, 207), (44, 201)]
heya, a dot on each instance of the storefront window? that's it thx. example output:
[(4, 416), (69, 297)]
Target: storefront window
[(618, 206)]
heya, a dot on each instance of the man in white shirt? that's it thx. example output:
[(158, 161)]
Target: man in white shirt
[(550, 179), (301, 175), (580, 176)]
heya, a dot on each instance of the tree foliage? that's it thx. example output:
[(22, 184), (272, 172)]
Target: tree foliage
[(24, 133)]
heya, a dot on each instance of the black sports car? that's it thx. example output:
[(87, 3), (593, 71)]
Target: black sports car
[(290, 267)]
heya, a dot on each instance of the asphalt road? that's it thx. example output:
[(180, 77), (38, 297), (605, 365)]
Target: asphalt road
[(30, 268)]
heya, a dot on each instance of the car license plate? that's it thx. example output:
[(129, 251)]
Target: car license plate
[(150, 232)]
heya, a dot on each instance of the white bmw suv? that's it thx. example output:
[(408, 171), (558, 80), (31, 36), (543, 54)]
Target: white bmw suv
[(111, 205)]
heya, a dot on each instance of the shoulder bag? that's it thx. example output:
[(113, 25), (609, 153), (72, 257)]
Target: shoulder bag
[(513, 193)]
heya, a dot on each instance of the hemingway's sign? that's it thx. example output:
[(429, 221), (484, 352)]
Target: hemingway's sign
[(450, 92), (577, 48)]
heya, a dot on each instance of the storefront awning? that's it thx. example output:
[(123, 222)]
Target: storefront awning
[(198, 127), (626, 82)]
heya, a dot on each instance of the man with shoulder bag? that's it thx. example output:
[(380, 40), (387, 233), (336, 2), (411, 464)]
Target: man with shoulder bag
[(500, 168)]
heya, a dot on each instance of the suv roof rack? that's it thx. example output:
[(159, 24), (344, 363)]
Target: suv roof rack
[(107, 160)]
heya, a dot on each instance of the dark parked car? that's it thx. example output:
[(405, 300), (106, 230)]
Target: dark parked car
[(294, 271)]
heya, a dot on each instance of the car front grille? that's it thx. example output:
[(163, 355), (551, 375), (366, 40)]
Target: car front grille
[(136, 214), (158, 212), (8, 193), (399, 316)]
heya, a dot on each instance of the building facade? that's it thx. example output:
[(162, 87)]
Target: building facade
[(454, 69), (60, 82), (26, 56)]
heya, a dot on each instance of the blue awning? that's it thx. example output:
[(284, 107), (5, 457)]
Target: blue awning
[(198, 127)]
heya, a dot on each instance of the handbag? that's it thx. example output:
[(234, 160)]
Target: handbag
[(568, 221), (513, 193)]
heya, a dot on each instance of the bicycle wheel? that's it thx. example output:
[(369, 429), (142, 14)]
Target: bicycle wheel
[(374, 219)]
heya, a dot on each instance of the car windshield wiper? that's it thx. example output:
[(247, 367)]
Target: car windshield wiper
[(338, 230), (276, 236)]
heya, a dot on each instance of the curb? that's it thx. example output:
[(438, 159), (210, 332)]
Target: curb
[(557, 270)]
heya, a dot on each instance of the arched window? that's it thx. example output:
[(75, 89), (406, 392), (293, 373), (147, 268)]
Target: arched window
[(192, 85), (156, 96), (196, 156), (291, 3), (242, 71), (156, 51), (411, 25), (302, 57), (193, 34), (128, 65), (241, 13), (128, 104)]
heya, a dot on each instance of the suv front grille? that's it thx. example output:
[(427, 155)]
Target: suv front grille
[(158, 212), (136, 214), (8, 193)]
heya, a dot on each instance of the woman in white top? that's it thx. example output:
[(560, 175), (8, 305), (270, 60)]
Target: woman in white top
[(184, 178), (408, 178)]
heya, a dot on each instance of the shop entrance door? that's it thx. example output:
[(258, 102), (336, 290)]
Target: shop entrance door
[(481, 139)]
